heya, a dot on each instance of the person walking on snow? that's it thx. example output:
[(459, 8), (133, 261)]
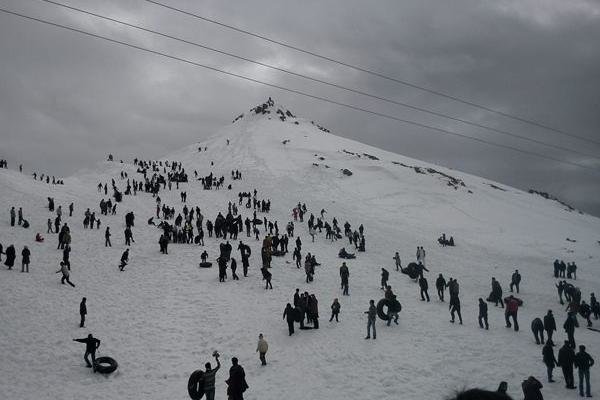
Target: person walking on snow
[(583, 363), (396, 258), (65, 274), (82, 312), (107, 237), (371, 318), (335, 310), (549, 359), (261, 348), (91, 345)]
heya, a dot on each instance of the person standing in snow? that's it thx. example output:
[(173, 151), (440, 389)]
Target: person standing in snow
[(209, 378), (290, 314), (424, 287), (65, 274), (549, 325), (396, 258), (335, 310), (583, 363), (128, 236), (549, 359), (531, 389), (91, 345), (385, 275), (440, 285), (11, 254), (107, 237), (483, 314), (344, 275), (566, 358), (512, 307), (26, 254), (515, 280), (454, 307), (371, 318), (261, 348), (12, 216), (236, 384), (20, 215), (233, 267), (82, 312)]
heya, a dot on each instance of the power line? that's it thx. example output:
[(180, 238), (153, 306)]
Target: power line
[(377, 74), (352, 107), (417, 108)]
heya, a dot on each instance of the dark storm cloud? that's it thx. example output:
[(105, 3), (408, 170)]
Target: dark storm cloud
[(66, 100)]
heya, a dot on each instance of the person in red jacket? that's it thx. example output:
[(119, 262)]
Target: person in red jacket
[(512, 306)]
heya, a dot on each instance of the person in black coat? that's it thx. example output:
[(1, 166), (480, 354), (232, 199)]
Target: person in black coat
[(569, 327), (566, 358), (515, 280), (549, 359), (91, 345), (424, 287), (26, 254), (537, 327), (531, 389), (583, 362), (483, 314), (549, 325), (233, 267), (236, 384), (82, 312), (10, 256), (290, 314), (440, 285)]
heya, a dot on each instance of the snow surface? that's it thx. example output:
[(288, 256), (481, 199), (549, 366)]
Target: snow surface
[(162, 318)]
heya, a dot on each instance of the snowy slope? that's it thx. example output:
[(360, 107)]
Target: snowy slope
[(162, 318)]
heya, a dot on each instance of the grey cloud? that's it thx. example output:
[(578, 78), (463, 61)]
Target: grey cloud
[(68, 100)]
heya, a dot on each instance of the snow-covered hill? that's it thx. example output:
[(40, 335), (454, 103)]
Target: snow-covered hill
[(162, 318)]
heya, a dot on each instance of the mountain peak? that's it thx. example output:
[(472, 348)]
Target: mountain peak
[(271, 109)]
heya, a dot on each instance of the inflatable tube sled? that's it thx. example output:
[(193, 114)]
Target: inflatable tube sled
[(258, 221), (105, 365), (196, 385), (205, 264), (278, 253), (297, 315), (390, 305), (412, 270)]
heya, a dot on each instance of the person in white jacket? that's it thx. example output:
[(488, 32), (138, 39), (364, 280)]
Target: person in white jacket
[(262, 348), (65, 274)]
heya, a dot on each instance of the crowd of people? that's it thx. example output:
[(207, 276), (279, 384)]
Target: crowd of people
[(188, 225)]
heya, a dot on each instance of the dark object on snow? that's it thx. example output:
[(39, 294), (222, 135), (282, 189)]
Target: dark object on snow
[(344, 254), (25, 224), (391, 305), (412, 270), (278, 253), (346, 172), (105, 365), (118, 196), (196, 385), (258, 221), (205, 264)]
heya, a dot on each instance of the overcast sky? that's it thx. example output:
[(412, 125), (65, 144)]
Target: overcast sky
[(67, 100)]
